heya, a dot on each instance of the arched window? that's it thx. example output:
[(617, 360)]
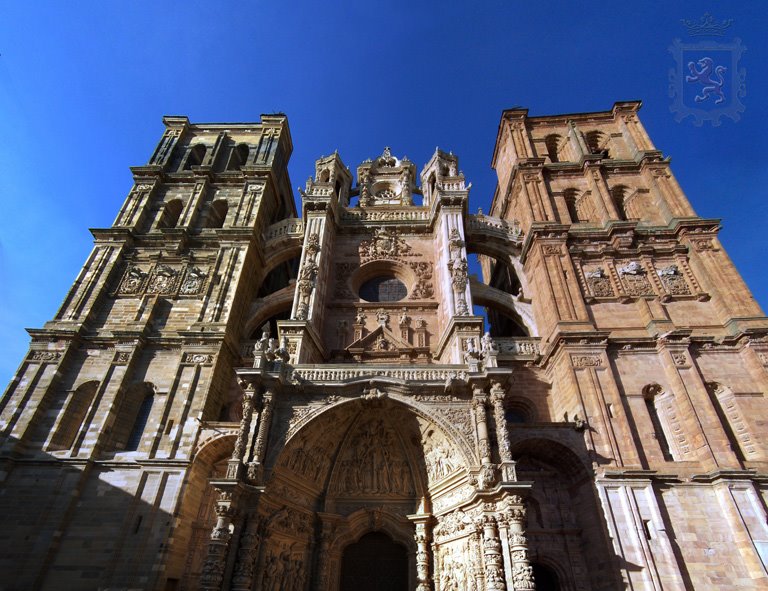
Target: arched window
[(552, 143), (238, 157), (279, 277), (171, 213), (131, 416), (651, 394), (619, 194), (384, 288), (217, 214), (571, 197), (195, 156), (597, 143), (73, 416), (140, 423)]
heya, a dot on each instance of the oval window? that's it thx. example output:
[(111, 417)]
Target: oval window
[(383, 289)]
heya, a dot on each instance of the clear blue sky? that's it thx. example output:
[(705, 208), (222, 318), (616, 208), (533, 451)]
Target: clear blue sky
[(83, 87)]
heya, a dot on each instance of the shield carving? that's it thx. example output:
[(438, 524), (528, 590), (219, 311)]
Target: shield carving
[(707, 82)]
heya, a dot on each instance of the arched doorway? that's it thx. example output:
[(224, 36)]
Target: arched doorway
[(375, 563), (545, 577)]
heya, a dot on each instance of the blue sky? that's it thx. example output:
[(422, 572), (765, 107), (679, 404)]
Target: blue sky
[(84, 85)]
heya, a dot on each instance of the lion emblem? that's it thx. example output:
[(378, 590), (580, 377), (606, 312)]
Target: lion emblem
[(705, 76)]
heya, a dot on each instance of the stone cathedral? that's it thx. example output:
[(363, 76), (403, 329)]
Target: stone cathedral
[(236, 395)]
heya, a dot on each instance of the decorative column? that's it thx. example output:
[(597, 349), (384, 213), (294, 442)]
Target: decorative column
[(422, 553), (236, 461), (502, 435), (323, 557), (487, 476), (242, 578), (459, 271), (479, 399), (494, 562), (514, 516), (255, 468), (212, 574), (476, 568)]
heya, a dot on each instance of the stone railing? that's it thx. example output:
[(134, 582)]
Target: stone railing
[(290, 227), (518, 347), (452, 184), (409, 214), (494, 227), (342, 373)]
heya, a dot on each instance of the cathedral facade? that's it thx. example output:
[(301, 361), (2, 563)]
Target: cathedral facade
[(235, 395)]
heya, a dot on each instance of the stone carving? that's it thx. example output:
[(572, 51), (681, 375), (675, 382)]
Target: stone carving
[(382, 317), (452, 524), (635, 281), (283, 573), (452, 498), (423, 288), (194, 281), (701, 244), (439, 458), (522, 576), (385, 244), (342, 374), (121, 357), (599, 283), (198, 358), (343, 272), (551, 249), (459, 418), (307, 276), (373, 464), (133, 281), (586, 360), (45, 356), (163, 280), (679, 358), (673, 281)]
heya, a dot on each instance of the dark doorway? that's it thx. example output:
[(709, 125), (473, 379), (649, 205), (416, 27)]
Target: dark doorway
[(374, 563), (546, 578)]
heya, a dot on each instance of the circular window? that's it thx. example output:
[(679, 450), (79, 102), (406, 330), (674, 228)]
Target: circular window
[(383, 289)]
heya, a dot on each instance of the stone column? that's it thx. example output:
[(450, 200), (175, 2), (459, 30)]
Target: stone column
[(255, 469), (236, 461), (242, 577), (320, 580), (502, 435), (494, 562), (422, 556), (212, 574), (476, 568), (514, 516), (479, 399)]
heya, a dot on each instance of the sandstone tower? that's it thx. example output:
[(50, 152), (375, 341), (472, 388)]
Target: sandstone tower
[(235, 395)]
